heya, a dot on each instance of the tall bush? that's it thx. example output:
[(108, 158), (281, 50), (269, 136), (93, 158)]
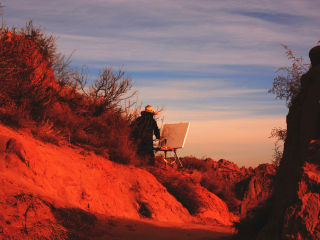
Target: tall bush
[(41, 92)]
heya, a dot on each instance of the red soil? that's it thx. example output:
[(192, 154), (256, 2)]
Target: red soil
[(60, 192)]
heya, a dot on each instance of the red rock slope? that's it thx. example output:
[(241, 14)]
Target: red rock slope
[(37, 179)]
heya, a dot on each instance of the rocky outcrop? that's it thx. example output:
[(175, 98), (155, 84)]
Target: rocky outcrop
[(230, 172), (259, 188), (214, 210), (251, 186), (296, 195)]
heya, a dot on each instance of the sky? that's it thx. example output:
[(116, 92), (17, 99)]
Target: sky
[(208, 62)]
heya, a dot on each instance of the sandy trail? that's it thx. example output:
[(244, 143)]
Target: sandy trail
[(122, 228)]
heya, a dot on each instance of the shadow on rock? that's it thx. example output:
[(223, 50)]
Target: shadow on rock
[(74, 219)]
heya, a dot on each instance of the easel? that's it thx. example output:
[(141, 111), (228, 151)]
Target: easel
[(165, 150), (173, 136)]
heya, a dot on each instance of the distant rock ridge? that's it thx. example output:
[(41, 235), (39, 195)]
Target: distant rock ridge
[(296, 205), (231, 172), (252, 186), (259, 187)]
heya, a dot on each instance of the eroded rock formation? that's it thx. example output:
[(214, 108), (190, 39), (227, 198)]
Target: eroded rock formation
[(259, 188), (296, 195), (251, 186)]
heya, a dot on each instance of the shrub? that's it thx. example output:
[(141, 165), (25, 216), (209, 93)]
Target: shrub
[(191, 162), (211, 183), (229, 197), (180, 187), (27, 58), (287, 87), (196, 177), (221, 189), (40, 92)]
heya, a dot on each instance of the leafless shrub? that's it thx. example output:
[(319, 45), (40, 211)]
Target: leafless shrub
[(280, 134), (277, 154), (40, 92), (109, 89), (287, 87)]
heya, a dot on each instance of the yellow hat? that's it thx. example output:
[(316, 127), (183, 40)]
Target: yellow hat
[(150, 110)]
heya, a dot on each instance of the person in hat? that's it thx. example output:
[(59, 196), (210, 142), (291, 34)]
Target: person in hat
[(143, 130)]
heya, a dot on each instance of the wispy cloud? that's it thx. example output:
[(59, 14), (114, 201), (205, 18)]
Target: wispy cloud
[(179, 92), (184, 34), (210, 62), (198, 112), (202, 99)]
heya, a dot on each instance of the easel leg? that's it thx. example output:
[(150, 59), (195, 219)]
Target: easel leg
[(165, 158), (176, 156)]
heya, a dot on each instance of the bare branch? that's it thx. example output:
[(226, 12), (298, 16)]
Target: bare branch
[(110, 88), (279, 133), (277, 155), (287, 87)]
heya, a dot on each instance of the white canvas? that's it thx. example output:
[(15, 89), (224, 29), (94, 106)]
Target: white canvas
[(175, 134)]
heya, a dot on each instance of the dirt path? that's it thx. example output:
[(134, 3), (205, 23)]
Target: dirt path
[(121, 228)]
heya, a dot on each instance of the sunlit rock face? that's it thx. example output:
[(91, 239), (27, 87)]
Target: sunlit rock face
[(230, 172), (296, 195), (252, 186), (259, 187)]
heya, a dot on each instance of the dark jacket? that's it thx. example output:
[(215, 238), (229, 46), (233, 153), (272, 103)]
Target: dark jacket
[(143, 129)]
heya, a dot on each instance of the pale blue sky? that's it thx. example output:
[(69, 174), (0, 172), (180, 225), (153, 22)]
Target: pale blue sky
[(209, 62)]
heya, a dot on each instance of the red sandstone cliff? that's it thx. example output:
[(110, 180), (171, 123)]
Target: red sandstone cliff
[(296, 205)]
